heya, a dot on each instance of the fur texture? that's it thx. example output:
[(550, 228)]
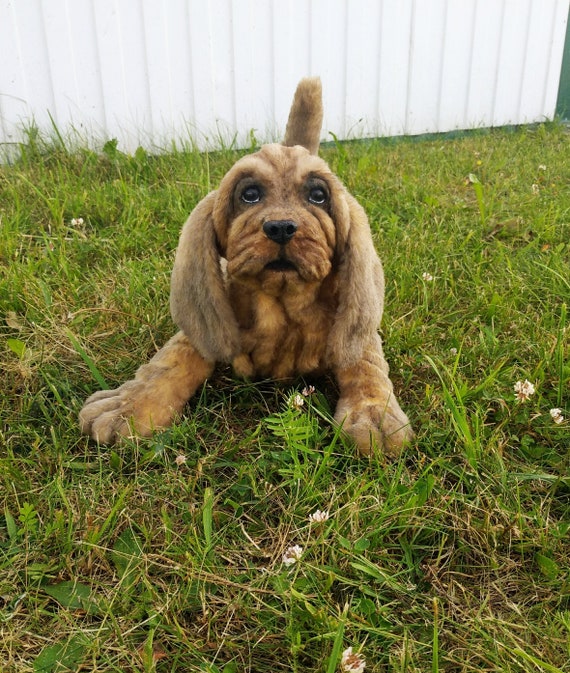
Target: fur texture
[(275, 273)]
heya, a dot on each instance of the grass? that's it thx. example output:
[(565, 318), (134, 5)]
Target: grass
[(167, 554)]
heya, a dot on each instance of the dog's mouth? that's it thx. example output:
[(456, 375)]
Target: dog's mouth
[(281, 265)]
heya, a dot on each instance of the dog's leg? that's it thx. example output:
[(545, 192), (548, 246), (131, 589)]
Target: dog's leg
[(367, 408), (152, 399)]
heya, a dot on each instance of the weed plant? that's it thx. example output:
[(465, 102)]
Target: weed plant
[(202, 548)]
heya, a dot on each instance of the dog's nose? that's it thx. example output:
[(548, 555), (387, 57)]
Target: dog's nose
[(280, 231)]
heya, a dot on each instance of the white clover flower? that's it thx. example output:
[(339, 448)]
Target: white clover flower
[(180, 460), (541, 167), (297, 402), (292, 555), (318, 516), (556, 415), (535, 188), (352, 662), (76, 221), (524, 390), (427, 277), (453, 351), (308, 391)]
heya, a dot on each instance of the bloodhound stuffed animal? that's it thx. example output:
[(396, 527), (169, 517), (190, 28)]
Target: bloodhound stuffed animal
[(277, 275)]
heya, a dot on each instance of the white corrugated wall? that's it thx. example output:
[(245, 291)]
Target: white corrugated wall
[(149, 72)]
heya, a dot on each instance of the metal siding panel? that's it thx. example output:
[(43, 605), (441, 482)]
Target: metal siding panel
[(328, 58), (176, 66), (395, 36), (424, 77), (135, 116), (253, 55), (557, 37), (157, 65), (179, 69), (154, 71), (222, 16), (59, 57), (291, 37), (200, 39), (533, 88), (14, 109), (511, 62), (362, 64), (87, 108), (38, 91), (456, 65), (247, 73), (111, 66), (484, 57), (563, 99)]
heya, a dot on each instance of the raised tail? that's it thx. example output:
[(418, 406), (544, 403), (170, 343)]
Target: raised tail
[(306, 116)]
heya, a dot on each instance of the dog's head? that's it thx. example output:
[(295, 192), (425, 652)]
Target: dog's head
[(280, 222), (280, 219)]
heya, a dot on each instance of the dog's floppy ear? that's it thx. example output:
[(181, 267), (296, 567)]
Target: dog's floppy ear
[(360, 282), (199, 302), (306, 116)]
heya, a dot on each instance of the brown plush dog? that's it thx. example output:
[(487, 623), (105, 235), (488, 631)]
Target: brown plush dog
[(275, 273)]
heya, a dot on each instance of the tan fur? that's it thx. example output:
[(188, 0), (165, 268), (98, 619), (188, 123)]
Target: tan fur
[(306, 116), (233, 305)]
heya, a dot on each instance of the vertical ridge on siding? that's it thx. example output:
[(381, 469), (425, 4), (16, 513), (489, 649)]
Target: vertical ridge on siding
[(497, 70), (48, 70), (151, 127), (378, 56), (445, 12), (274, 29), (345, 125), (13, 99), (33, 66), (100, 107), (393, 68), (549, 57), (524, 64), (120, 85), (468, 74), (199, 45), (67, 36), (233, 50), (190, 62), (410, 69)]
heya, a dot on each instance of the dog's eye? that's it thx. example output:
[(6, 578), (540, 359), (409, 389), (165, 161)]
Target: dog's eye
[(251, 194), (318, 196)]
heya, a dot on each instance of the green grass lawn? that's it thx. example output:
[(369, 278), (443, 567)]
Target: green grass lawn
[(167, 554)]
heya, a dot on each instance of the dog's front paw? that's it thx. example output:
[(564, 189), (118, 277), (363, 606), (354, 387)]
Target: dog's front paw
[(131, 409), (375, 428)]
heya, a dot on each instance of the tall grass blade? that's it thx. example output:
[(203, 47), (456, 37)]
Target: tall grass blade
[(435, 643), (337, 647), (459, 417), (88, 361), (545, 666), (559, 355), (208, 516)]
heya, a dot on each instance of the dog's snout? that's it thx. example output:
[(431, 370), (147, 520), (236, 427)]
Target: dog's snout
[(280, 231)]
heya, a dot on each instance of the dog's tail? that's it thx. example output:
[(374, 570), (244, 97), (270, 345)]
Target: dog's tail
[(306, 116)]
